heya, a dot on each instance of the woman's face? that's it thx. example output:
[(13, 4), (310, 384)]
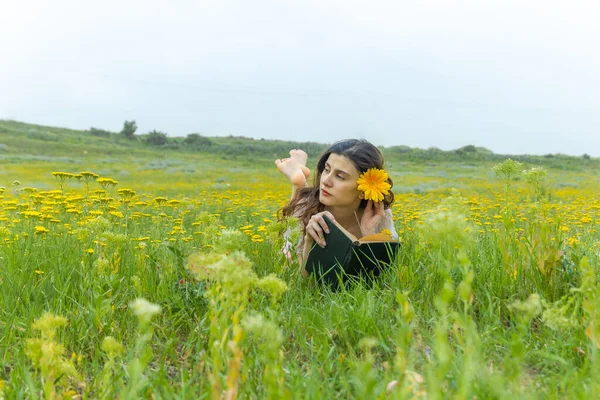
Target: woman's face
[(338, 183)]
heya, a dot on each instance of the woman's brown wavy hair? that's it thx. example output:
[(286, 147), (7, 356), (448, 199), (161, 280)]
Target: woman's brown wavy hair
[(362, 154)]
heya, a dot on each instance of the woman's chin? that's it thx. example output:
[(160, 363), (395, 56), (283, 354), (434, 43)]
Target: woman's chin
[(324, 200)]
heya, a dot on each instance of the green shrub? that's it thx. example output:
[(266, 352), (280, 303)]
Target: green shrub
[(156, 138), (129, 128), (99, 132), (197, 141)]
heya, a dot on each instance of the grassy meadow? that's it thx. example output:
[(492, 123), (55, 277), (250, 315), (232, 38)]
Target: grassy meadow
[(135, 271)]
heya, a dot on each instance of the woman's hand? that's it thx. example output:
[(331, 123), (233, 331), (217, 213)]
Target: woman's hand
[(317, 227), (373, 214)]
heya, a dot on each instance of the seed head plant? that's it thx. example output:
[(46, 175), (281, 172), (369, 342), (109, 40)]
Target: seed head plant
[(365, 374), (446, 230), (535, 177), (56, 372), (524, 312), (266, 338), (111, 378), (137, 382), (561, 315), (230, 280), (508, 170), (407, 382)]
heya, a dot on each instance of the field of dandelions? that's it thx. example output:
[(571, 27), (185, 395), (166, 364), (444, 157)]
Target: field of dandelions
[(165, 279)]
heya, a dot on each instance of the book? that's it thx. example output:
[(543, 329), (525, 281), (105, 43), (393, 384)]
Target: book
[(346, 258)]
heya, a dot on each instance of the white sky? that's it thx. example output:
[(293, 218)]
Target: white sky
[(513, 76)]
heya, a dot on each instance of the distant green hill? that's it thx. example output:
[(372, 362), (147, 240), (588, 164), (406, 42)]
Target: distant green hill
[(18, 138)]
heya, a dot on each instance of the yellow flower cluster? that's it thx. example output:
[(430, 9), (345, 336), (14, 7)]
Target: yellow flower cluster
[(196, 221)]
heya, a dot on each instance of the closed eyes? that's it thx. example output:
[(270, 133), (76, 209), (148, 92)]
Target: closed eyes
[(341, 176)]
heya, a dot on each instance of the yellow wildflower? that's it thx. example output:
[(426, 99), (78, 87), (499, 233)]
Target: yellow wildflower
[(160, 200), (107, 182), (117, 214), (62, 175), (31, 214), (126, 192), (386, 232), (88, 174), (40, 230)]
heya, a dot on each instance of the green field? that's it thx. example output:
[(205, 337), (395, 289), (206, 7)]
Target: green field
[(164, 278)]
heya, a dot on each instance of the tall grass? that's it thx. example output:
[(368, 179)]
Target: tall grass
[(126, 290)]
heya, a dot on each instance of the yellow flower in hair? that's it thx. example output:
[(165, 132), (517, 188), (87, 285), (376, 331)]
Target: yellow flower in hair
[(373, 183)]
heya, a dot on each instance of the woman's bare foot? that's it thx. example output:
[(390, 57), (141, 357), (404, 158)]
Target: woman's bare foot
[(299, 155), (294, 168)]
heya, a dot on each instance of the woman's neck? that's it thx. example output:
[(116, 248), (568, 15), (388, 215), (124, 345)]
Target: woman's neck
[(347, 217)]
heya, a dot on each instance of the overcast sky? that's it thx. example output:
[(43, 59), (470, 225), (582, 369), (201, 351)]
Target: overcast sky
[(513, 76)]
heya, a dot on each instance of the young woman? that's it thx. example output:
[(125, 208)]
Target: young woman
[(335, 193)]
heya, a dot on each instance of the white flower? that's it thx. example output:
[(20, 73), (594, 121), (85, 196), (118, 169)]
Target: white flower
[(144, 310)]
